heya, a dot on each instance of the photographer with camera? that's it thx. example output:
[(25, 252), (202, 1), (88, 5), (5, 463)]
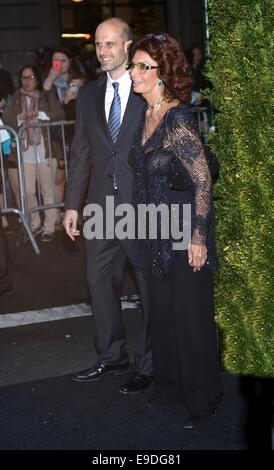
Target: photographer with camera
[(59, 73), (58, 79)]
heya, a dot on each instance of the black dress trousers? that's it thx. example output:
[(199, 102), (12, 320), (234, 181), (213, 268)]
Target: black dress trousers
[(184, 340)]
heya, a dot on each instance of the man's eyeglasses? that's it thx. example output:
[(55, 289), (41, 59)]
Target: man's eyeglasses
[(141, 67), (29, 77)]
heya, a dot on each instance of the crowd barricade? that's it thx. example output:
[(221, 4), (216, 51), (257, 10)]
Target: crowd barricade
[(20, 211), (57, 145)]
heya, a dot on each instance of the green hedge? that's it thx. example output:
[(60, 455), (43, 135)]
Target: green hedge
[(240, 69)]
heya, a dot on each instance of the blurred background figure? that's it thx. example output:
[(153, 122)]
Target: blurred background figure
[(88, 63), (3, 100), (58, 79), (29, 105), (6, 89), (5, 264), (77, 80), (43, 60), (199, 84), (6, 82), (8, 167)]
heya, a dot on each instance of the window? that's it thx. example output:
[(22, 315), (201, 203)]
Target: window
[(143, 16)]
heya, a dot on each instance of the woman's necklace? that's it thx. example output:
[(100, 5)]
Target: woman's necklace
[(147, 133), (157, 104), (155, 107)]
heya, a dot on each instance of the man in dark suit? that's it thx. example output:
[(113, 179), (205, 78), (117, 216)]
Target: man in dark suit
[(107, 116)]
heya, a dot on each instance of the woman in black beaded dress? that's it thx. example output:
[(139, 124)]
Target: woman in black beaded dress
[(170, 168)]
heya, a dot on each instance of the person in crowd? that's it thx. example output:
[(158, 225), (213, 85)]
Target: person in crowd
[(107, 115), (58, 79), (76, 81), (29, 105), (6, 88), (170, 167), (42, 60), (88, 62), (198, 80), (5, 263), (59, 74), (4, 147), (3, 99), (9, 163), (6, 82), (199, 84)]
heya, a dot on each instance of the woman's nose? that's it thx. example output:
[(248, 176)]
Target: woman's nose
[(133, 72)]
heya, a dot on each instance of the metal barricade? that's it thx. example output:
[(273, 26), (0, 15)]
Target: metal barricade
[(21, 212), (56, 137), (201, 112)]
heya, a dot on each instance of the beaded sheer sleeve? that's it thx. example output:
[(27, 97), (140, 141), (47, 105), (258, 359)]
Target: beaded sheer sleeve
[(175, 148), (184, 141)]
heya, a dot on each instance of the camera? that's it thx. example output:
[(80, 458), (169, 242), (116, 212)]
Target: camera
[(73, 87), (56, 65)]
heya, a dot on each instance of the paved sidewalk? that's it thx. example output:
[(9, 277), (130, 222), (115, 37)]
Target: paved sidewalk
[(42, 408), (54, 278)]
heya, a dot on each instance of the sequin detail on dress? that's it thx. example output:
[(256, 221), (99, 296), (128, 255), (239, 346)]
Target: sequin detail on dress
[(174, 148)]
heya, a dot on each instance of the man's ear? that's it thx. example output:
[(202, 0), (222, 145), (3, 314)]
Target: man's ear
[(128, 44)]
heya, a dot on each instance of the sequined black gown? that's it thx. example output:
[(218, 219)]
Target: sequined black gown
[(171, 168)]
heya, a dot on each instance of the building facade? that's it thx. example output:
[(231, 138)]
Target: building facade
[(27, 26)]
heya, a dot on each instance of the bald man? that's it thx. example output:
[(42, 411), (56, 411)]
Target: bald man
[(108, 115)]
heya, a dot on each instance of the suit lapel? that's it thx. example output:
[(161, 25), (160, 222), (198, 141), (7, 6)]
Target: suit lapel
[(100, 107), (133, 106)]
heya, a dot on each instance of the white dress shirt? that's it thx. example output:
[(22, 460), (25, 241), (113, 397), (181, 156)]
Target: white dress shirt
[(124, 91)]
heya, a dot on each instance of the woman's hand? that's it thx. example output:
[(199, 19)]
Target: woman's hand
[(26, 118), (53, 73), (197, 255), (30, 116), (70, 95)]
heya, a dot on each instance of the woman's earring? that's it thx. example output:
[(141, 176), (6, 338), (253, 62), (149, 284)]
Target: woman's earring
[(160, 82)]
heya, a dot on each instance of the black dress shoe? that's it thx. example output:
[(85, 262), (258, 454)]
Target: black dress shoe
[(195, 421), (137, 383), (99, 370)]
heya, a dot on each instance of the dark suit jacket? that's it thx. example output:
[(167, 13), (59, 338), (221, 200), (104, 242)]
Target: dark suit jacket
[(94, 156)]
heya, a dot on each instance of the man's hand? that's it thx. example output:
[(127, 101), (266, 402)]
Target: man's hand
[(70, 224), (197, 255)]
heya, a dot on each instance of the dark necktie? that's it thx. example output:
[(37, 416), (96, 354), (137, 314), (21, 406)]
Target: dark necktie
[(114, 119)]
